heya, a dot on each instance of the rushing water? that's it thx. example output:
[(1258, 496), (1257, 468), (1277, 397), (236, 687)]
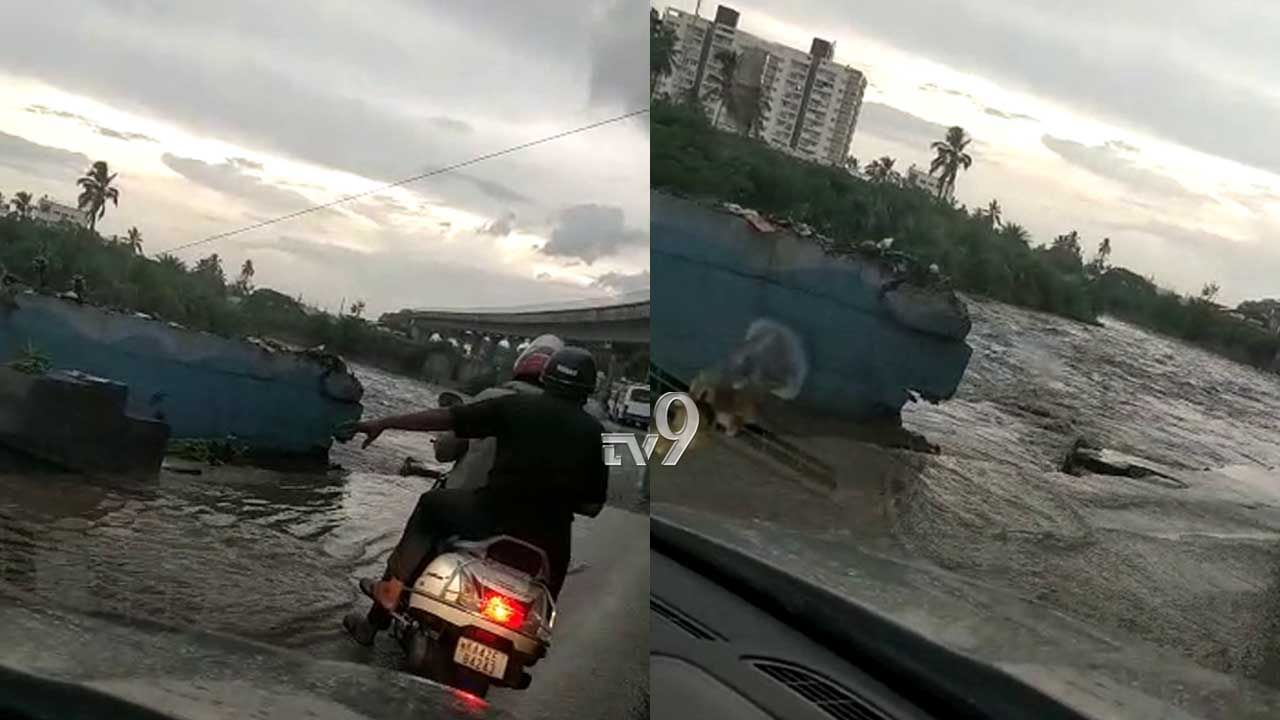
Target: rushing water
[(1194, 568)]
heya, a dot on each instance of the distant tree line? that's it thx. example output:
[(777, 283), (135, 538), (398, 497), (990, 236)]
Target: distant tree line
[(114, 272), (981, 251)]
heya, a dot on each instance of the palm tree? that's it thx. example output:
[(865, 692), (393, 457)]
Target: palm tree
[(244, 284), (881, 170), (1015, 232), (1098, 266), (1065, 251), (96, 191), (134, 241), (171, 263), (662, 43), (992, 213), (723, 91), (22, 204), (950, 158)]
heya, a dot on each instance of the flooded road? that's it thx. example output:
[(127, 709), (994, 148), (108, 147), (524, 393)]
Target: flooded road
[(274, 556), (1192, 565)]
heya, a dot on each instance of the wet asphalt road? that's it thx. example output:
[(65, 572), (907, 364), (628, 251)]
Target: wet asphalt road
[(274, 557)]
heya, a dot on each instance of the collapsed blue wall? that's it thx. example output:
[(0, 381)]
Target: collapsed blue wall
[(712, 275), (202, 385)]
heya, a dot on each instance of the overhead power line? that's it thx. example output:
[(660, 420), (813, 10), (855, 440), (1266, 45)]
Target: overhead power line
[(415, 178)]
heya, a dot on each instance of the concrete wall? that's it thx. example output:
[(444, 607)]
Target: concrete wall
[(713, 275), (77, 422), (203, 385)]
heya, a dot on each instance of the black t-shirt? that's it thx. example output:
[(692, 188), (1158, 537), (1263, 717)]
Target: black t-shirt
[(549, 450)]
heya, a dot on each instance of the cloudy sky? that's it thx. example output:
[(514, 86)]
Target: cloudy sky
[(217, 115), (1148, 121)]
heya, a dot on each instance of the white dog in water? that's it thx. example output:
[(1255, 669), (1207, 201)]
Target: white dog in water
[(770, 361)]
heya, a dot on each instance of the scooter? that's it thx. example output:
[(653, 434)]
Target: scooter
[(479, 615)]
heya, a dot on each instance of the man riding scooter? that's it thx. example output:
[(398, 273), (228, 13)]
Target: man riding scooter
[(548, 465), (476, 456)]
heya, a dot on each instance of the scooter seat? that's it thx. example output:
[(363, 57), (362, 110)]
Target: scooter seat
[(510, 551)]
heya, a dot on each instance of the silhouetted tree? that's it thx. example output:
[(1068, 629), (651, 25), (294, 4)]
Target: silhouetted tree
[(134, 241), (662, 43), (96, 190), (950, 157), (22, 204)]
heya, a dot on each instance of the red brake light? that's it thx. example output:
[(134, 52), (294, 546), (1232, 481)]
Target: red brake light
[(502, 609)]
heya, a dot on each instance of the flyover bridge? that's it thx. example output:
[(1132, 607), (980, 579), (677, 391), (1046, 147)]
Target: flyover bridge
[(625, 321), (482, 340)]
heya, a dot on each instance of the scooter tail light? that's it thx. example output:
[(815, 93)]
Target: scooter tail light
[(505, 611)]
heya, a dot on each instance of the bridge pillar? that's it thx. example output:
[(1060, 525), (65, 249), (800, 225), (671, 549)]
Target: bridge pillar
[(441, 363), (610, 376)]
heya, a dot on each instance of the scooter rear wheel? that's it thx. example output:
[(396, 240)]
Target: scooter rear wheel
[(425, 657)]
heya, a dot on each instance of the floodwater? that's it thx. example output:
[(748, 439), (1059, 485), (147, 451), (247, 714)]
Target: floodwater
[(1194, 569), (266, 555)]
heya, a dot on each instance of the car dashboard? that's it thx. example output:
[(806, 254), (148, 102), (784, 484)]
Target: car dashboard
[(713, 655), (734, 636)]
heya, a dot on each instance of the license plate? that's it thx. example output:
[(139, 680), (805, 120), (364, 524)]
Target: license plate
[(481, 658)]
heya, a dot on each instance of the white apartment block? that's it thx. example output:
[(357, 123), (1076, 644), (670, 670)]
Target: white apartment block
[(811, 103), (922, 180), (54, 212)]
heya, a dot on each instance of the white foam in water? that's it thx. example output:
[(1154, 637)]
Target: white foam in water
[(773, 356)]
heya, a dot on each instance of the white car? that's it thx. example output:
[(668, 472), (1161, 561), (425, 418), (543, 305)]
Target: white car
[(631, 406)]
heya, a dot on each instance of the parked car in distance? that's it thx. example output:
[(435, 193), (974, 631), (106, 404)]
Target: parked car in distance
[(630, 405)]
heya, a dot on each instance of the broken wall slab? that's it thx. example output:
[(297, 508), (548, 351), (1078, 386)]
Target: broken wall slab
[(204, 386), (78, 422)]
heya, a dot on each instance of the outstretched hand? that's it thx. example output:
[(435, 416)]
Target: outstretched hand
[(370, 428)]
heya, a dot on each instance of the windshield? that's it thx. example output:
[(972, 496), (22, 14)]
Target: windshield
[(973, 316), (639, 395)]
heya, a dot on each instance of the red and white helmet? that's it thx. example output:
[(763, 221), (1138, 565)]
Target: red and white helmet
[(533, 359)]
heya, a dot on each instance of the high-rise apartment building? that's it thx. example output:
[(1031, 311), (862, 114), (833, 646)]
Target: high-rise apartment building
[(801, 103)]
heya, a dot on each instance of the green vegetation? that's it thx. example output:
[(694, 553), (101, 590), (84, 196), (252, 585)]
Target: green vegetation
[(981, 252), (114, 274), (662, 41), (22, 204), (881, 170), (721, 92), (214, 452), (32, 361)]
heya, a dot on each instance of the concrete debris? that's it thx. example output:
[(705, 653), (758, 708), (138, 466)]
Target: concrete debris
[(78, 421), (1083, 459)]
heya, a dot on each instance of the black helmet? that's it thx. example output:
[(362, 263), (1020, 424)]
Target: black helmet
[(570, 372)]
